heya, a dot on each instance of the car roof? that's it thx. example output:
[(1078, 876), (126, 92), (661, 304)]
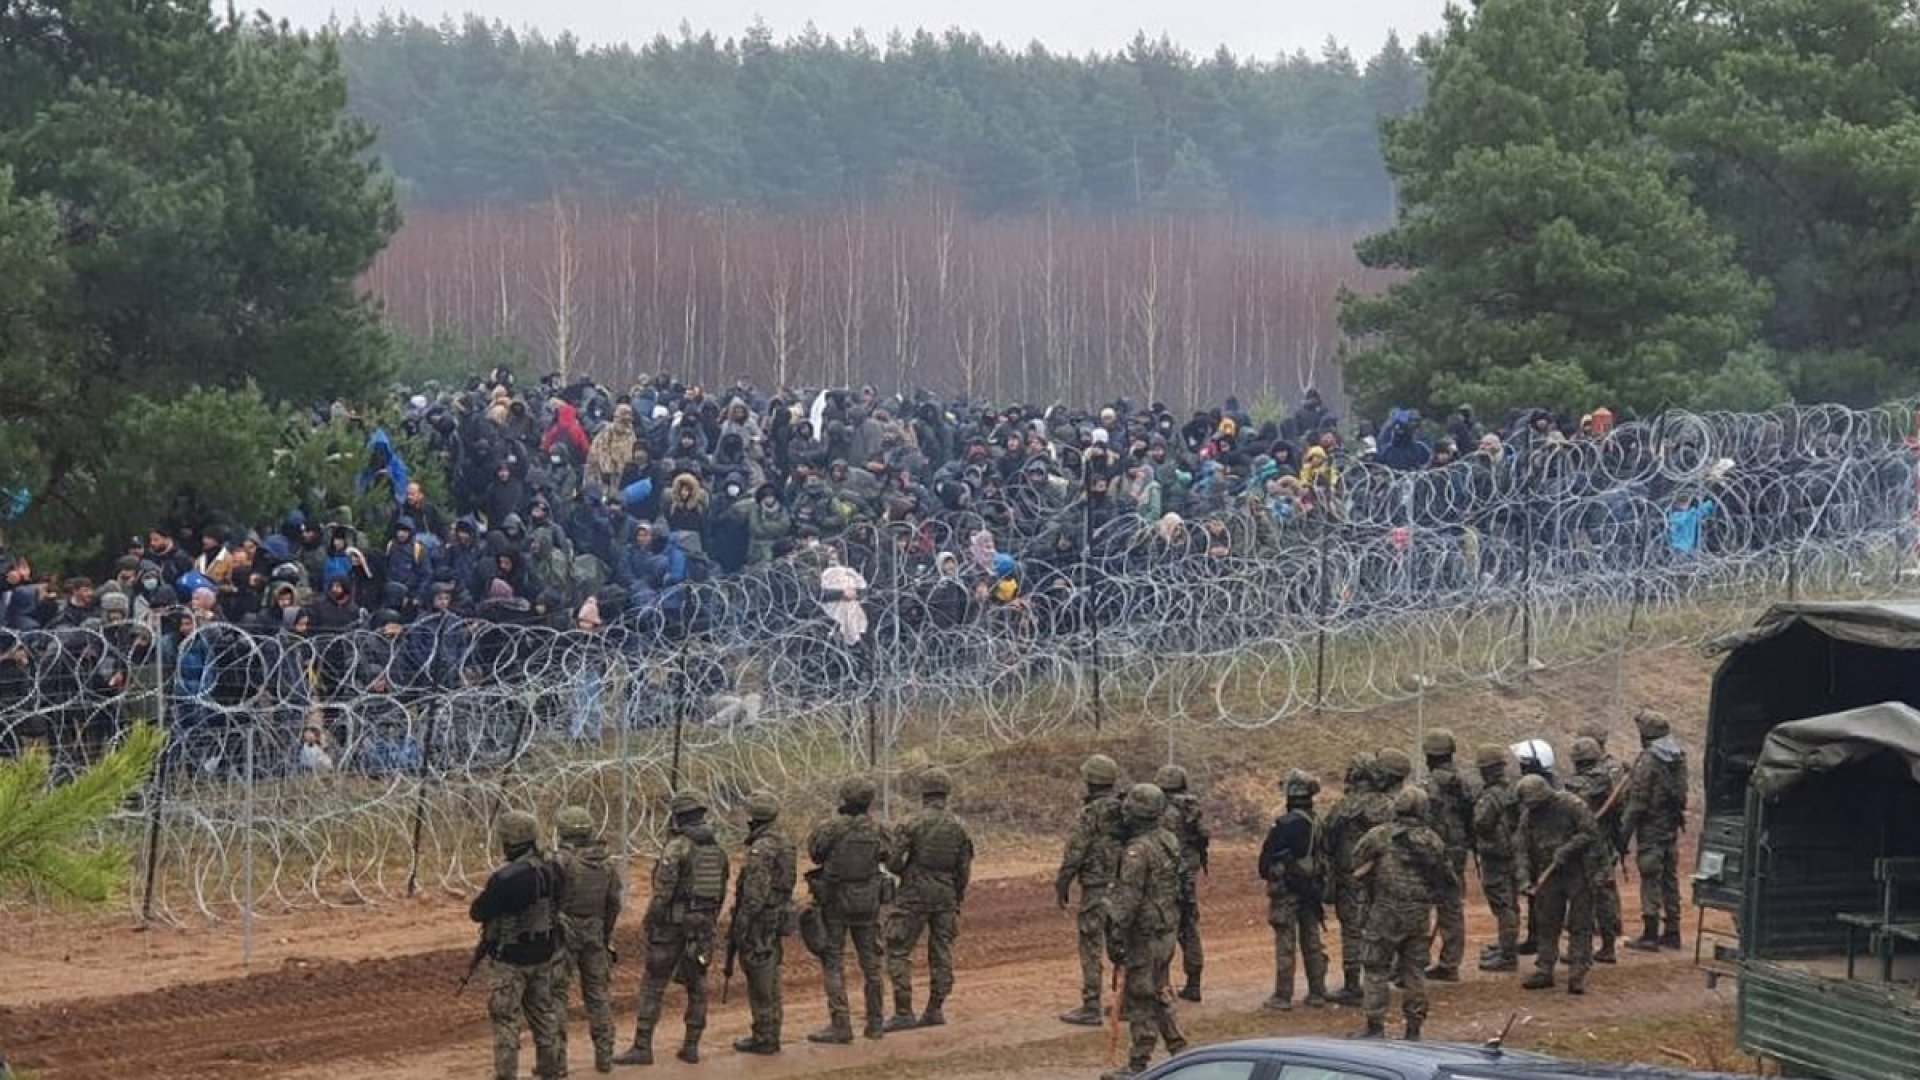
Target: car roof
[(1380, 1052), (1467, 1061)]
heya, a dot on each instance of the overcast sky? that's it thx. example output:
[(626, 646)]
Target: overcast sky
[(1251, 28)]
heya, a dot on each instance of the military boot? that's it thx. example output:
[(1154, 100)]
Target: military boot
[(1085, 1016), (1500, 960), (1191, 991), (838, 1032), (1375, 1029), (603, 1060), (877, 1027), (1605, 954), (750, 1045), (1413, 1030), (933, 1017), (1541, 979), (1276, 1003), (1529, 947), (1577, 983), (1649, 939), (1443, 973), (1349, 993), (640, 1053), (1671, 939), (1316, 997), (1130, 1069), (690, 1052), (902, 1020)]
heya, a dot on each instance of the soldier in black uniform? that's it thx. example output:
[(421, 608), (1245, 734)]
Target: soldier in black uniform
[(516, 909), (1292, 866)]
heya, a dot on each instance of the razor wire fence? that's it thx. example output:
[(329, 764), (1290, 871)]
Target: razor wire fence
[(351, 767)]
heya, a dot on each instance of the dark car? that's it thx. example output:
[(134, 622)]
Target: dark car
[(1343, 1059)]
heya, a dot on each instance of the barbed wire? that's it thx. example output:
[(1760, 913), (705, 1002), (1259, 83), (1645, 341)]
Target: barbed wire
[(351, 767)]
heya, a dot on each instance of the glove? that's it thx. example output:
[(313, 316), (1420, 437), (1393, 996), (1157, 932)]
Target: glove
[(1062, 895)]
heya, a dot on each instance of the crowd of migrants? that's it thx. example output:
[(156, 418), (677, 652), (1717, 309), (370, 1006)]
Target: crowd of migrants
[(580, 521), (1388, 859)]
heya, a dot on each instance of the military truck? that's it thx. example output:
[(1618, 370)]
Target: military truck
[(1811, 836)]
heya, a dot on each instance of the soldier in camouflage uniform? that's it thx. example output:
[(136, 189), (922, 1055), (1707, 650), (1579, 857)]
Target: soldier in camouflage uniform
[(1142, 921), (762, 904), (1655, 815), (1360, 808), (1184, 822), (1556, 856), (689, 887), (1593, 782), (1091, 857), (520, 935), (849, 851), (1451, 794), (590, 902), (1290, 864), (1403, 864), (933, 856), (1496, 816)]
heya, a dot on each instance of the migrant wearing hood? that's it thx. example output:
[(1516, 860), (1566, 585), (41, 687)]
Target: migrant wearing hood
[(382, 459)]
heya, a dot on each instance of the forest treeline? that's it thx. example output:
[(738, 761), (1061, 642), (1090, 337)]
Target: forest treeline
[(476, 112), (1179, 307)]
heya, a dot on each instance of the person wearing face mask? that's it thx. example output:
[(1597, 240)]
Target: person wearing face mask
[(726, 532)]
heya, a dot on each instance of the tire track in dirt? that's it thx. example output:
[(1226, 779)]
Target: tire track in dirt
[(309, 1013)]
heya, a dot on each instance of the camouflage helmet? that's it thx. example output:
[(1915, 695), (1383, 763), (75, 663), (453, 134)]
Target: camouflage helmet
[(1299, 784), (1437, 743), (516, 828), (858, 791), (1490, 756), (1170, 779), (574, 823), (1533, 790), (1595, 730), (1144, 803), (1099, 770), (1652, 725), (1410, 802), (686, 802), (936, 782), (1393, 765), (1585, 750), (1361, 768), (762, 806)]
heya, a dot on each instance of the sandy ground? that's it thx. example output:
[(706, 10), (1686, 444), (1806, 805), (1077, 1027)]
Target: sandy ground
[(371, 992)]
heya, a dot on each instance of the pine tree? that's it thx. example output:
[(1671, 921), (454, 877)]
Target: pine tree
[(45, 849), (1556, 261)]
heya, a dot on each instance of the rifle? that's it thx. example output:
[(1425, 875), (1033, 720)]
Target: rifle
[(733, 954), (481, 950)]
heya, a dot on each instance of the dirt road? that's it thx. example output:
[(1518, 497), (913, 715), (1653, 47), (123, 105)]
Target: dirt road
[(141, 1005)]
